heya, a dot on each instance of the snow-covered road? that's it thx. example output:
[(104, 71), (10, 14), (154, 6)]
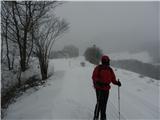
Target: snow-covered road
[(69, 94)]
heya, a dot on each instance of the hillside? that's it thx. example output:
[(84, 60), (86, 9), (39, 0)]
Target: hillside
[(69, 94), (140, 56)]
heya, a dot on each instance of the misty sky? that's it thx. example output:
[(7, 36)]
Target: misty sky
[(112, 26)]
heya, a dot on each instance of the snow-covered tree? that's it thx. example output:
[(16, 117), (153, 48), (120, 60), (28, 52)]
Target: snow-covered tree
[(45, 36), (21, 18)]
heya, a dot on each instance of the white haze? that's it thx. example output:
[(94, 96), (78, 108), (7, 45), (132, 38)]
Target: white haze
[(112, 26)]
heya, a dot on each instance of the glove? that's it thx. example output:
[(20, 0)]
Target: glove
[(119, 83)]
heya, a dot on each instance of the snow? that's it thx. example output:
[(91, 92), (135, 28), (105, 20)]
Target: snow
[(69, 94), (9, 78), (141, 56)]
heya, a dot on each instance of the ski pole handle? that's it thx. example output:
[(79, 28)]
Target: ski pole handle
[(119, 83)]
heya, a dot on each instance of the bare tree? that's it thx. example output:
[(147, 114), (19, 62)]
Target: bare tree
[(46, 35), (24, 16), (6, 35), (19, 20)]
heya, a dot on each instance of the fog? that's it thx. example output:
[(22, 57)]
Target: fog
[(112, 26)]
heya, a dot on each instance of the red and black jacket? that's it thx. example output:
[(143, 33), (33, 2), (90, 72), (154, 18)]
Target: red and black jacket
[(102, 77)]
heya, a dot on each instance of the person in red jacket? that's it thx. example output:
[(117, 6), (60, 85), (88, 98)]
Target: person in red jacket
[(102, 76)]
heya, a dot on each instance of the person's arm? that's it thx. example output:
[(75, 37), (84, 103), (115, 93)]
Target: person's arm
[(114, 81), (95, 75)]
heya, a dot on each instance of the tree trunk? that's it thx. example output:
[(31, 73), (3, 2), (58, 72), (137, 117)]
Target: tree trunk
[(19, 77), (23, 63), (2, 49), (23, 57), (13, 58), (22, 46), (44, 72), (7, 47), (44, 69)]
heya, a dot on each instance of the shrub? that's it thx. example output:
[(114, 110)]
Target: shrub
[(83, 64), (93, 54)]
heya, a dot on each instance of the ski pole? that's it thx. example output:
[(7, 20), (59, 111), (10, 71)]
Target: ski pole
[(119, 100)]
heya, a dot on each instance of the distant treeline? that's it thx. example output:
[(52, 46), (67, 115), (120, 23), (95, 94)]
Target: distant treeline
[(145, 69), (68, 51)]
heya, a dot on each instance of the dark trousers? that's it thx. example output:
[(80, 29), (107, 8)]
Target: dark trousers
[(102, 98)]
